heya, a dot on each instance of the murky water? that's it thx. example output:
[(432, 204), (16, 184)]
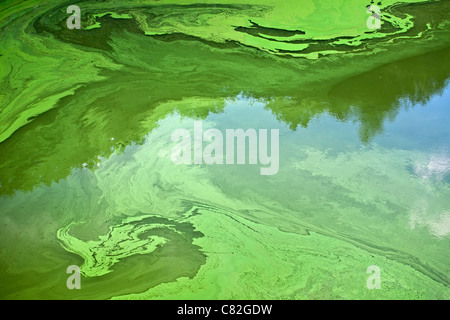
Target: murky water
[(87, 179)]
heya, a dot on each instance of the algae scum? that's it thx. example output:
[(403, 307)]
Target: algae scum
[(86, 176)]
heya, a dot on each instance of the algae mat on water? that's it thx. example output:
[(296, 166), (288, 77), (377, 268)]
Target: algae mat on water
[(86, 176)]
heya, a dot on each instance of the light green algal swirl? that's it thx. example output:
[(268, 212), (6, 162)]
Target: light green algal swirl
[(111, 14), (123, 240), (307, 29)]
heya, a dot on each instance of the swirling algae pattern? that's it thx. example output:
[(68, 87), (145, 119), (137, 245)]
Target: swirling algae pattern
[(86, 177)]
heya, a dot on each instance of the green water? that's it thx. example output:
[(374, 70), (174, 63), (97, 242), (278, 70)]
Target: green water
[(86, 176)]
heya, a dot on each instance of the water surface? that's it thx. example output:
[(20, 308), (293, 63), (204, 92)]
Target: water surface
[(86, 176)]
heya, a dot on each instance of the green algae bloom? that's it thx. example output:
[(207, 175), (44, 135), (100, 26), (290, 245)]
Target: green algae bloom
[(86, 176)]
